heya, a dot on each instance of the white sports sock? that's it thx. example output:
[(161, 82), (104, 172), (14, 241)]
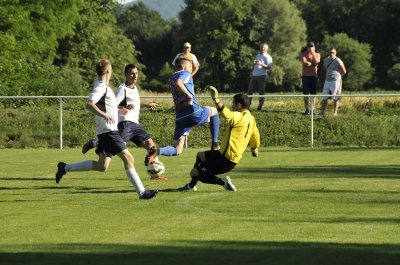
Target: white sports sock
[(80, 166), (135, 180)]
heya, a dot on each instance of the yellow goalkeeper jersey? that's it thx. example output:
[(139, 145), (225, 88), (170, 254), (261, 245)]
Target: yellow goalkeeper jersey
[(240, 130)]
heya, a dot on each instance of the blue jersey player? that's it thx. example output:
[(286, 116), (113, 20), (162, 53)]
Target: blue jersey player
[(188, 113)]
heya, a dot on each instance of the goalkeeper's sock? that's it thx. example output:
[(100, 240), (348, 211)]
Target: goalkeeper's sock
[(135, 180), (214, 127), (79, 166), (167, 151)]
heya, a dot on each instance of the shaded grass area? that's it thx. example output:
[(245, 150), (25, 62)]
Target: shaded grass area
[(214, 252), (293, 206)]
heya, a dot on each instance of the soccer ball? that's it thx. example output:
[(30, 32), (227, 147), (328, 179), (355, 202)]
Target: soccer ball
[(156, 169)]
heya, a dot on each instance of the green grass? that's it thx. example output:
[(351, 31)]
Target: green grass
[(293, 206)]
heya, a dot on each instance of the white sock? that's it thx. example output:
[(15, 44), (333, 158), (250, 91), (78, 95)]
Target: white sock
[(135, 180), (80, 166)]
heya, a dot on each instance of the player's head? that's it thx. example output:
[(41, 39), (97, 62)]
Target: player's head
[(103, 67), (241, 99), (131, 73)]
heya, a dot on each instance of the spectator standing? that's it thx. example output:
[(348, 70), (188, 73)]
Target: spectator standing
[(262, 63), (335, 69), (310, 60), (187, 51)]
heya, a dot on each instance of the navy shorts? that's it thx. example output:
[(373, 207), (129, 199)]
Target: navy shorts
[(110, 144), (131, 131), (309, 85), (215, 163), (185, 124)]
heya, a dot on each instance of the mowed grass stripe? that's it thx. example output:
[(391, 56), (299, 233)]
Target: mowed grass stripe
[(303, 206)]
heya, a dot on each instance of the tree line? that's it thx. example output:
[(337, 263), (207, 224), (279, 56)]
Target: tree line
[(49, 47)]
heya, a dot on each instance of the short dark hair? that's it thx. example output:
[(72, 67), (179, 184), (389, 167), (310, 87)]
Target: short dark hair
[(129, 67), (241, 98)]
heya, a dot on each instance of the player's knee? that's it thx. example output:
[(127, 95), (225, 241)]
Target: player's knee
[(194, 173)]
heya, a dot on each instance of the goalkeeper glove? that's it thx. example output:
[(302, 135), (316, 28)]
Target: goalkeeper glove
[(254, 152), (214, 94)]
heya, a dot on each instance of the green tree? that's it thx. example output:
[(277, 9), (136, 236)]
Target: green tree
[(97, 36), (28, 40), (151, 35), (355, 55), (225, 36)]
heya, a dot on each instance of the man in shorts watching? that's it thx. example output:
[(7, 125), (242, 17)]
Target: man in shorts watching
[(310, 60), (335, 69)]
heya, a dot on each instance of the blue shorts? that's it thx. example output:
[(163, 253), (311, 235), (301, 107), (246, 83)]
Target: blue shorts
[(184, 124), (131, 131), (110, 144)]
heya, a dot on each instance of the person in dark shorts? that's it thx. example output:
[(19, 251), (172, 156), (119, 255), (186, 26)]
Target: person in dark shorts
[(309, 60), (103, 105), (129, 105), (240, 131)]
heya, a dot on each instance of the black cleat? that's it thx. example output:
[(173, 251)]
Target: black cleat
[(148, 194), (60, 172)]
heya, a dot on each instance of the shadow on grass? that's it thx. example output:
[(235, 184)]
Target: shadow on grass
[(390, 171), (206, 252)]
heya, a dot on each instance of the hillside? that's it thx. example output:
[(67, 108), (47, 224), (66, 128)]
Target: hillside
[(167, 8)]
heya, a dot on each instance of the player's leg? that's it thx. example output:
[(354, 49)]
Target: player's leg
[(214, 127), (208, 165), (91, 143), (133, 176)]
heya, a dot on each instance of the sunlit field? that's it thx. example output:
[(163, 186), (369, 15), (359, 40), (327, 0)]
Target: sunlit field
[(293, 206)]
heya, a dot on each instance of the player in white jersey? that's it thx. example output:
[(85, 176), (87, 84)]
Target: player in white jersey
[(102, 104)]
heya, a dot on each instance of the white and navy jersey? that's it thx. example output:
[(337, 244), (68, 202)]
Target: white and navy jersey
[(128, 96), (104, 98)]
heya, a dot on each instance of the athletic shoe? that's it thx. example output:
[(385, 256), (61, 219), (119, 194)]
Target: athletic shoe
[(187, 188), (60, 172), (306, 112), (228, 184), (151, 155), (86, 147), (215, 146), (148, 194), (158, 178)]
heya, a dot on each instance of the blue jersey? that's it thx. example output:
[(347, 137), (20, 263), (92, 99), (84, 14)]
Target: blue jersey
[(182, 108)]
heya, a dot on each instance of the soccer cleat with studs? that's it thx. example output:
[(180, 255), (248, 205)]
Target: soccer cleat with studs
[(228, 184), (148, 194), (60, 171), (151, 155), (187, 188)]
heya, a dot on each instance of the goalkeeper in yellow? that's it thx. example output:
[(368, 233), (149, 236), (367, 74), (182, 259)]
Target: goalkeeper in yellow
[(240, 131)]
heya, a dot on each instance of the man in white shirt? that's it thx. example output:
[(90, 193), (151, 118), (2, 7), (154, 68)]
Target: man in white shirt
[(262, 63)]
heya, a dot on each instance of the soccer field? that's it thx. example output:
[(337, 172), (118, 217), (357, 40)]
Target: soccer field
[(293, 206)]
